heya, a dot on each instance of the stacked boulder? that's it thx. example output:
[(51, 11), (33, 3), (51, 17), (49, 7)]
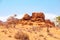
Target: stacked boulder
[(26, 17), (38, 16)]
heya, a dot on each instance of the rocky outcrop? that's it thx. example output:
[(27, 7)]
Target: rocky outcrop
[(26, 17), (38, 16)]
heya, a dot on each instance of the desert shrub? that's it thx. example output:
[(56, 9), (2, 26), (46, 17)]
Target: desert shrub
[(10, 36), (21, 36), (12, 20), (58, 21)]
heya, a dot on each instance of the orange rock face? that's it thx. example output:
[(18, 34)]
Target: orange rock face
[(26, 17), (38, 15)]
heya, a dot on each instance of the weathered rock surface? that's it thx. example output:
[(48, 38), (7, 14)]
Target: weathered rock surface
[(38, 16)]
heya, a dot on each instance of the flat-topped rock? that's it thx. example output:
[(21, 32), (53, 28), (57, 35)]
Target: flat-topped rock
[(38, 15)]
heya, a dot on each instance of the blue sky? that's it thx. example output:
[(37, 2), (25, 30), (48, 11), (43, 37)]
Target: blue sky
[(51, 8)]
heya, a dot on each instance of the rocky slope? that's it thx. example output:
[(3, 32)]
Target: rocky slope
[(34, 27)]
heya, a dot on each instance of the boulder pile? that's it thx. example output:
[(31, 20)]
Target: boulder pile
[(36, 16)]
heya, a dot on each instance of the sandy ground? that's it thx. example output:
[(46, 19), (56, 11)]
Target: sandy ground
[(27, 32)]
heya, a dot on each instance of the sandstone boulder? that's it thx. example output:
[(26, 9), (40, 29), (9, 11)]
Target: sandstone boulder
[(26, 17), (38, 15)]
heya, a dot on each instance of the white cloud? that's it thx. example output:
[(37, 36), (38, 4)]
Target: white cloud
[(50, 16), (4, 18)]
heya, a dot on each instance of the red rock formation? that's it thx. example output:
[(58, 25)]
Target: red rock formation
[(28, 20), (26, 17), (38, 16)]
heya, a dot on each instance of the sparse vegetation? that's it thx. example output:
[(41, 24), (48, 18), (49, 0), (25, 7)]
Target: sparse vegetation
[(58, 21)]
